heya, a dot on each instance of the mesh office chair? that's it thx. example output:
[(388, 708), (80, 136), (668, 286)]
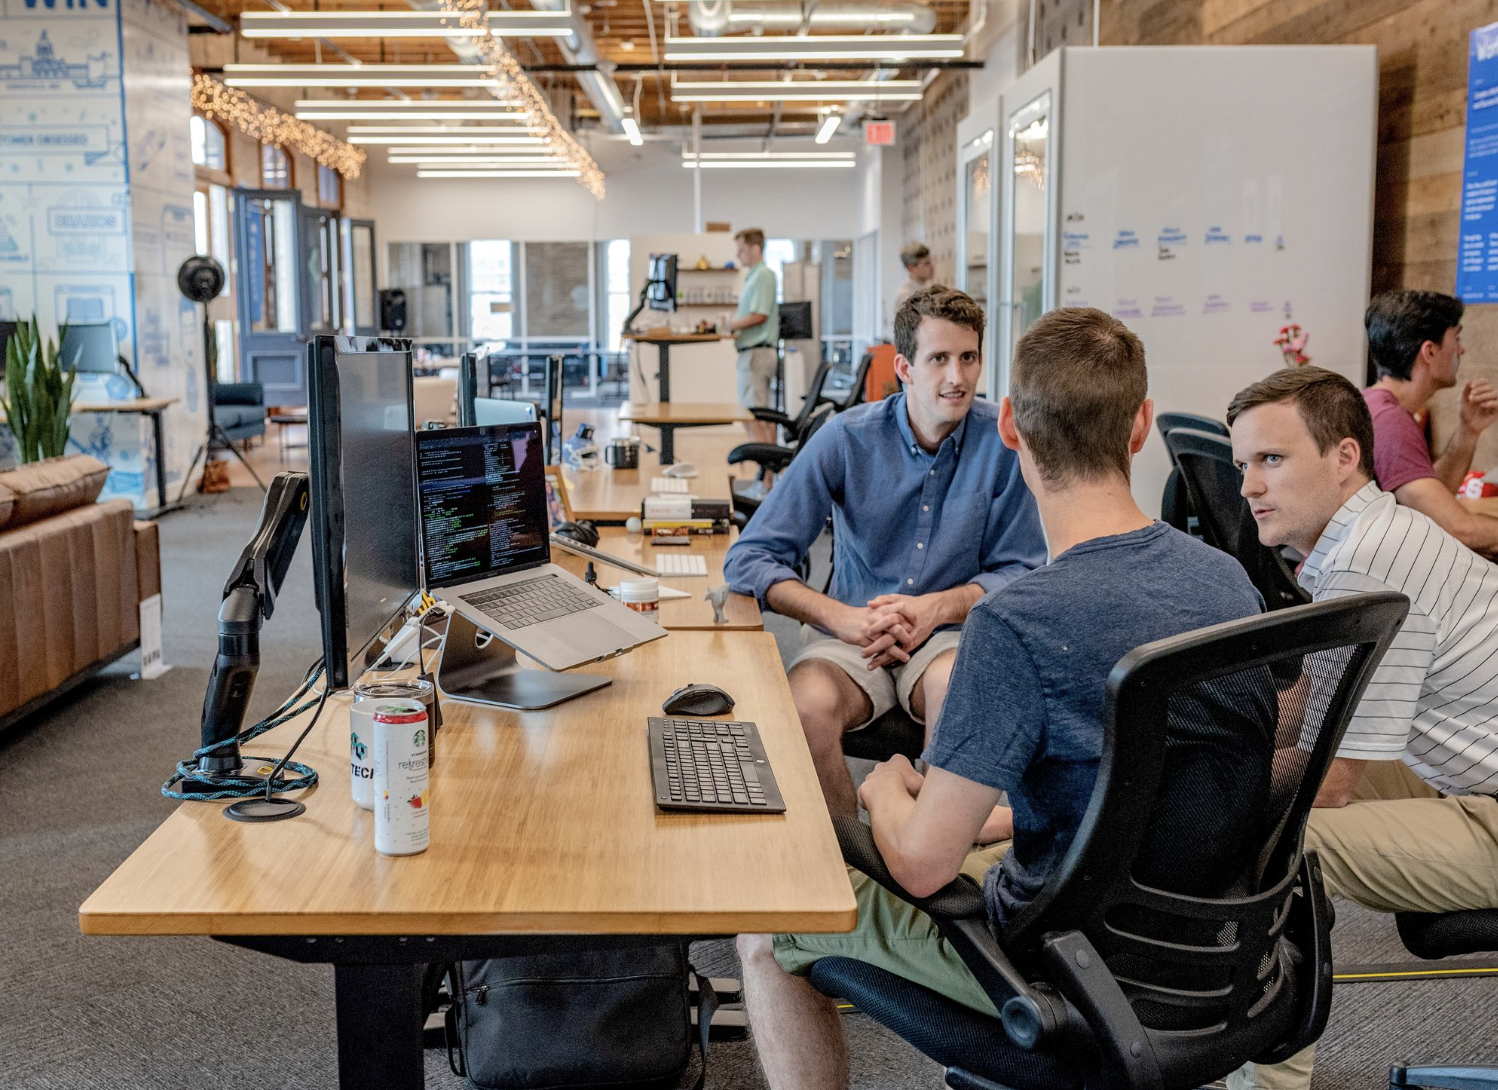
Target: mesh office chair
[(1128, 970), (795, 426), (1175, 504), (1213, 482), (768, 457)]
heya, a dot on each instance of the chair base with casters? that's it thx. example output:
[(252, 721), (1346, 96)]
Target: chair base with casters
[(1435, 935)]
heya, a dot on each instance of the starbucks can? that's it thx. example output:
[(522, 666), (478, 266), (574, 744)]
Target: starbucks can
[(401, 784)]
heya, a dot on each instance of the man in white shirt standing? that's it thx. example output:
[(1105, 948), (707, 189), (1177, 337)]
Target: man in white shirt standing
[(1406, 819), (919, 271)]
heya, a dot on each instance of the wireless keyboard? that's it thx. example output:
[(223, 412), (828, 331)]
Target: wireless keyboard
[(679, 564), (703, 764), (670, 484)]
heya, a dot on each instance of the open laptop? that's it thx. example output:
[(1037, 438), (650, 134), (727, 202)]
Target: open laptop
[(485, 549)]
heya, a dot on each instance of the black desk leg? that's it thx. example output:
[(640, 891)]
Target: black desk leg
[(663, 373), (668, 444), (379, 1026), (161, 500)]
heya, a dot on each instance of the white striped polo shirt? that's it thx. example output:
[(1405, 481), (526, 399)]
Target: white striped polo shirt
[(1434, 699)]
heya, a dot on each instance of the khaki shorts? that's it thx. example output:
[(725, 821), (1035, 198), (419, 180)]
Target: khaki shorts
[(884, 687), (756, 372), (897, 937)]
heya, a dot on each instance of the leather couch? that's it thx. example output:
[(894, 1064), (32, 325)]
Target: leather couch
[(239, 408), (73, 573)]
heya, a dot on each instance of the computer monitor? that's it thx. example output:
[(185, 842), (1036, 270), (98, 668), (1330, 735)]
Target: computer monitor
[(493, 410), (552, 407), (660, 287), (468, 387), (90, 346), (362, 462), (796, 321)]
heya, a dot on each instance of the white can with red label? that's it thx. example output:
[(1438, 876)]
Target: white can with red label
[(401, 778)]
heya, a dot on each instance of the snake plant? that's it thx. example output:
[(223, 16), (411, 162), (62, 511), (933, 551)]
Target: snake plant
[(39, 392)]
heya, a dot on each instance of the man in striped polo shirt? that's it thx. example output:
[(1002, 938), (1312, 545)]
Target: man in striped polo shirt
[(1406, 819)]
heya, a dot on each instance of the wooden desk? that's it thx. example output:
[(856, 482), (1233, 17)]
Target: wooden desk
[(741, 611), (543, 825), (663, 343), (668, 416), (613, 495), (146, 406)]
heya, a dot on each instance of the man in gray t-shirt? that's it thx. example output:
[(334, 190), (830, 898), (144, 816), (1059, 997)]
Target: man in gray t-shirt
[(1024, 712)]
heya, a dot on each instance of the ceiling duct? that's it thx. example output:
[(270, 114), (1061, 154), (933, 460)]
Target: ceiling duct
[(715, 18)]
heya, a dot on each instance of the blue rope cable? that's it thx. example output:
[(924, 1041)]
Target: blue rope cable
[(239, 788)]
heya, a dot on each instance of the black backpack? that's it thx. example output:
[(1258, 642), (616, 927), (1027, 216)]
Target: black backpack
[(583, 1019)]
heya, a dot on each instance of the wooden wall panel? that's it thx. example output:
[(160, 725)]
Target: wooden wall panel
[(1422, 49)]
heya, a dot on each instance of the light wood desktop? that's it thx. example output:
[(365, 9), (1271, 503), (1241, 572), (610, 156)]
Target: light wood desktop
[(741, 611), (669, 416), (543, 824), (613, 495)]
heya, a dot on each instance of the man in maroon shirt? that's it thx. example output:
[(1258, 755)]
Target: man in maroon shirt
[(1415, 339)]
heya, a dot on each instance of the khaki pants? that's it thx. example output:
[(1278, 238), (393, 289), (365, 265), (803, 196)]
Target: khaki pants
[(1400, 846)]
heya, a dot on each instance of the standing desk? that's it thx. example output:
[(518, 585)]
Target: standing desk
[(668, 416), (543, 826), (741, 611), (663, 343)]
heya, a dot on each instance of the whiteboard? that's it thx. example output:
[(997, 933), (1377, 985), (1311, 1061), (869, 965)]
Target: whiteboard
[(1208, 195)]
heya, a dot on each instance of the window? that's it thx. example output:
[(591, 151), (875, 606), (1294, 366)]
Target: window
[(779, 251), (208, 144), (491, 296), (329, 187), (613, 259), (275, 168)]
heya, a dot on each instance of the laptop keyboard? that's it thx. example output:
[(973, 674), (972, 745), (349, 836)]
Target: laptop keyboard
[(680, 564), (705, 764), (519, 605)]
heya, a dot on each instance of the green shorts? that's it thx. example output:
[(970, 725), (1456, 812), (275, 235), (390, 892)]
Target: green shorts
[(897, 937)]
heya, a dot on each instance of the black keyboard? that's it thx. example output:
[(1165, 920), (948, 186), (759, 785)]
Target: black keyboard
[(702, 764), (517, 605)]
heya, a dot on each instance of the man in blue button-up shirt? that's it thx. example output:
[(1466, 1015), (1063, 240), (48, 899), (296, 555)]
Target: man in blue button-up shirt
[(929, 513)]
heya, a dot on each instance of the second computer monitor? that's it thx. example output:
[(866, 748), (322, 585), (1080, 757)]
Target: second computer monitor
[(362, 463), (660, 291), (90, 346)]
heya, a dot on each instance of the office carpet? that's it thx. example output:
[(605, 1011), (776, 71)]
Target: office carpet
[(79, 790)]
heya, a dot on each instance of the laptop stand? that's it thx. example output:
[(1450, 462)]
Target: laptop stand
[(480, 667)]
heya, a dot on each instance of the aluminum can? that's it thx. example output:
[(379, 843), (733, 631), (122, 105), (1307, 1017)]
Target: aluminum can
[(402, 824), (361, 745), (409, 689)]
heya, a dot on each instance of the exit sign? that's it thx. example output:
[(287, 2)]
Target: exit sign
[(879, 133)]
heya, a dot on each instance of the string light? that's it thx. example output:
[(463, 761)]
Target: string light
[(270, 126), (510, 81)]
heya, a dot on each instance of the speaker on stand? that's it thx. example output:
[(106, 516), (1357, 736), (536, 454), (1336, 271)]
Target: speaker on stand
[(200, 279)]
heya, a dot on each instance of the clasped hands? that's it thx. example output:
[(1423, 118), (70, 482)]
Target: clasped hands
[(891, 626), (898, 775)]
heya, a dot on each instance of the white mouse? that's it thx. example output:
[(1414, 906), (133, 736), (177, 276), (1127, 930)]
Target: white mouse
[(680, 469)]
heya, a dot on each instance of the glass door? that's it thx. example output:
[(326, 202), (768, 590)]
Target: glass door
[(361, 309), (322, 286), (977, 209), (272, 310)]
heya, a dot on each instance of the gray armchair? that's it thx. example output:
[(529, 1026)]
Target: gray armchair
[(239, 408)]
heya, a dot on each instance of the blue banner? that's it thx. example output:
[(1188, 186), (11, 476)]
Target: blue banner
[(1477, 254), (253, 266)]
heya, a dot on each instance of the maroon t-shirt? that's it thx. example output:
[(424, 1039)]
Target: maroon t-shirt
[(1399, 451)]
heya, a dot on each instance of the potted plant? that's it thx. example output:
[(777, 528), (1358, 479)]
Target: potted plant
[(38, 399)]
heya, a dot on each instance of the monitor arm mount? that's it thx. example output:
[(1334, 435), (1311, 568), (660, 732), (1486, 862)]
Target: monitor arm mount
[(644, 297), (249, 600)]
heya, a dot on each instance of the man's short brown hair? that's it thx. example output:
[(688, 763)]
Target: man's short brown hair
[(913, 253), (1076, 386), (752, 235), (935, 302), (1332, 408)]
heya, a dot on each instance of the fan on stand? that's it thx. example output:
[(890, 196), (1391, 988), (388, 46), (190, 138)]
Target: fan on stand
[(200, 279)]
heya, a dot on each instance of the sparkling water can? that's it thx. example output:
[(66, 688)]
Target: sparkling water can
[(401, 781)]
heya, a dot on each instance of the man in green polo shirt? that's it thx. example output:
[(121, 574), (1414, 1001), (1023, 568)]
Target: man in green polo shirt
[(756, 329)]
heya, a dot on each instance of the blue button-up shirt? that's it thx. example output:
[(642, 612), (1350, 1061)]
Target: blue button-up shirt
[(904, 521)]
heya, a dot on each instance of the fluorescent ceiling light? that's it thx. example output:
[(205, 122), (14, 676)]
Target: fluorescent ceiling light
[(474, 149), (479, 160), (848, 90), (769, 164), (469, 140), (427, 112), (498, 173), (632, 130), (359, 75), (707, 156), (401, 24), (823, 46), (430, 130), (829, 127)]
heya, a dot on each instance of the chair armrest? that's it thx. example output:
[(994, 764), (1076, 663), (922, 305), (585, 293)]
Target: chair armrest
[(1029, 1014), (767, 455), (772, 416)]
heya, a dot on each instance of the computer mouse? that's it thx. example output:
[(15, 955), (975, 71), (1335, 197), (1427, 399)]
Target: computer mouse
[(584, 533), (680, 469), (694, 699)]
